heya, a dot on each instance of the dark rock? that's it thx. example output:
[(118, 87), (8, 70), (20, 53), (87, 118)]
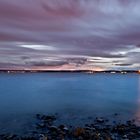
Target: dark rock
[(42, 137), (11, 136), (38, 116), (61, 127), (98, 130), (124, 136), (46, 117), (27, 138), (53, 128), (79, 131), (49, 118), (100, 120), (8, 137), (41, 125)]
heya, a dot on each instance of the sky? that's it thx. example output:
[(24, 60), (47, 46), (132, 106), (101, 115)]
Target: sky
[(70, 34)]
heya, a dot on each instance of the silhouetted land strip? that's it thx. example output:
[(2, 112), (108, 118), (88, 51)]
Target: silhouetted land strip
[(69, 71)]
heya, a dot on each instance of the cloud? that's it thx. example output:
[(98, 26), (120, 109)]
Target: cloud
[(70, 32), (48, 63), (123, 64)]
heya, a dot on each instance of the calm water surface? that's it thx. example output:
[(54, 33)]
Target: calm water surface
[(75, 96)]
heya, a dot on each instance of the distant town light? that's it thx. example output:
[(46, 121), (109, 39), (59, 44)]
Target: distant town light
[(112, 72)]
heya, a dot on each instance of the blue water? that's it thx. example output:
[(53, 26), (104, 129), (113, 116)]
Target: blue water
[(74, 96)]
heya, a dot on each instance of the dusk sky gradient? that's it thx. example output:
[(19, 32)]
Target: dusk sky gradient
[(70, 34)]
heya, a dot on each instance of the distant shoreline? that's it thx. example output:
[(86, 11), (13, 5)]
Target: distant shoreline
[(70, 71)]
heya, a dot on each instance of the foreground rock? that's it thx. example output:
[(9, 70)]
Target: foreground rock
[(46, 129)]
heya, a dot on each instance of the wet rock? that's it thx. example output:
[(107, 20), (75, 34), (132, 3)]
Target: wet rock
[(98, 130), (38, 116), (49, 118), (63, 128), (107, 137), (11, 136), (91, 129), (53, 128), (87, 125), (106, 120), (79, 131), (41, 125), (125, 137), (42, 137), (46, 117), (8, 137), (100, 120), (129, 122), (66, 129), (27, 138)]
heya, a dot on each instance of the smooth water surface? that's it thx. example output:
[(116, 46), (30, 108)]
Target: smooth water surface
[(74, 96)]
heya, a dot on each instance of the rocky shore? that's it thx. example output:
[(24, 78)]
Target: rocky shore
[(46, 128)]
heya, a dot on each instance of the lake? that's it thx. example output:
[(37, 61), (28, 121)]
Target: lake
[(74, 96)]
